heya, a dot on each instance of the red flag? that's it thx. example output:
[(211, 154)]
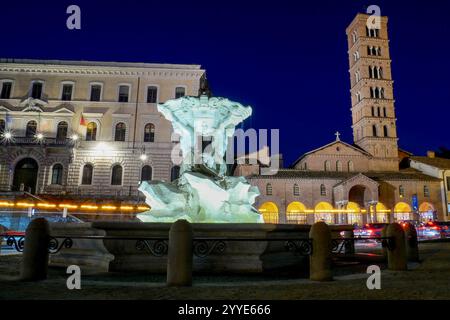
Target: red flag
[(82, 121)]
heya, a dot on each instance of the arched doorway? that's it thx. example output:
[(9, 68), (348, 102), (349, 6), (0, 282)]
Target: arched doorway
[(25, 175), (296, 213), (269, 210), (382, 213), (358, 196), (324, 212), (426, 211), (354, 213), (402, 211)]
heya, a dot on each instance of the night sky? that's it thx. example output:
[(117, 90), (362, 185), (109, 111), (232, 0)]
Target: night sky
[(287, 59)]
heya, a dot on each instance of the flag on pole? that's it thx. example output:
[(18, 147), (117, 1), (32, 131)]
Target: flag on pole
[(82, 121)]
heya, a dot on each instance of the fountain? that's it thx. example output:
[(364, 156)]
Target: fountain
[(204, 192), (217, 205)]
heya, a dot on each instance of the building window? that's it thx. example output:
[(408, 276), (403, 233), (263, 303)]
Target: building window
[(448, 183), (96, 92), (61, 131), (6, 90), (350, 166), (296, 190), (268, 189), (149, 132), (57, 173), (86, 177), (91, 131), (327, 166), (374, 130), (323, 190), (354, 36), (152, 94), (116, 175), (36, 90), (124, 92), (338, 166), (31, 129), (357, 76), (146, 173), (385, 131), (180, 92), (373, 112), (372, 32), (2, 126), (384, 112), (174, 173), (66, 94), (401, 191), (426, 192), (120, 132)]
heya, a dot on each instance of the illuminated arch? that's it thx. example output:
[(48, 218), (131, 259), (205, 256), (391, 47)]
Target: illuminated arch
[(426, 207), (426, 211), (323, 212), (402, 207), (269, 210), (402, 211), (382, 213), (296, 213), (355, 216)]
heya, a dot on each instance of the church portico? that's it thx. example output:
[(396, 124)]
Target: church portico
[(355, 197)]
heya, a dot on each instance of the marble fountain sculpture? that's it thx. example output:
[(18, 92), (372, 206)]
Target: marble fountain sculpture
[(203, 193), (218, 205)]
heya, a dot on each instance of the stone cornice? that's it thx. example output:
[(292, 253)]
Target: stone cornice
[(125, 71)]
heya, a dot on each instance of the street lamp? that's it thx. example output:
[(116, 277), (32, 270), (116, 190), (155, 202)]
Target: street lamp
[(40, 136), (74, 137), (143, 157), (7, 135)]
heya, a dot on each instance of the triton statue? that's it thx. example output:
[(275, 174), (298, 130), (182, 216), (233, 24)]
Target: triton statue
[(203, 192)]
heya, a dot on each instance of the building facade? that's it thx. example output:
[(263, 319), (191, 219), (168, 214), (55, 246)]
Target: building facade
[(360, 182), (438, 168), (87, 129)]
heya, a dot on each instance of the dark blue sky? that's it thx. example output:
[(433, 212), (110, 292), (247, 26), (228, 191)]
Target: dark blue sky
[(287, 59)]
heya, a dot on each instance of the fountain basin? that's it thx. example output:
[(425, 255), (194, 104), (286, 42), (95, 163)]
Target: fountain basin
[(238, 257)]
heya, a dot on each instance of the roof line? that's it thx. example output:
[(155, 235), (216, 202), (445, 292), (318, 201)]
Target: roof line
[(102, 63)]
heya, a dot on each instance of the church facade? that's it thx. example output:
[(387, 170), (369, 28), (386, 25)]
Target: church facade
[(359, 182)]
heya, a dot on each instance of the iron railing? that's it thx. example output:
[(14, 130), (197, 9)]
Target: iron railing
[(202, 246)]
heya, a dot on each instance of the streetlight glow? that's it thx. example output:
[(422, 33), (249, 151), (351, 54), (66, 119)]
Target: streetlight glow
[(40, 136), (7, 135), (143, 157)]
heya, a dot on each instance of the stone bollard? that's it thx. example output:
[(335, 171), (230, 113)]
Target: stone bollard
[(411, 244), (349, 247), (35, 254), (320, 259), (179, 260), (396, 256)]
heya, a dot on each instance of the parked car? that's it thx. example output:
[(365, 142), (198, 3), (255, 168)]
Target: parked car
[(434, 230), (369, 230)]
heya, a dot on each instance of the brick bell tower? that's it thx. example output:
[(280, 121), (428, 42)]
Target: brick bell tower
[(372, 97)]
